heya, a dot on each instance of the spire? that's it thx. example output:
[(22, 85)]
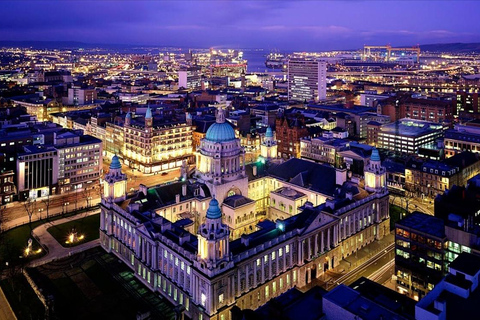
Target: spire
[(148, 114), (220, 115)]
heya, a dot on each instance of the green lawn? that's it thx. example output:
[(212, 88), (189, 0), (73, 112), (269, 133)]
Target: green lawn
[(396, 214), (23, 300), (87, 226), (14, 244)]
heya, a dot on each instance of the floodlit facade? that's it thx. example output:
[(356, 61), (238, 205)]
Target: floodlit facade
[(178, 238)]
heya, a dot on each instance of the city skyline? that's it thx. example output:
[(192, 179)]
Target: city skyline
[(284, 25)]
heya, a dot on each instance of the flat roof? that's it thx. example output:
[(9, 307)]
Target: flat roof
[(423, 223)]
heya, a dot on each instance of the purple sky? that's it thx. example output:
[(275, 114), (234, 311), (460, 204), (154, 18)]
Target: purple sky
[(294, 25)]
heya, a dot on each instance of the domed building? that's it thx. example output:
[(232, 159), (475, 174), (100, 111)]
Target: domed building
[(221, 160)]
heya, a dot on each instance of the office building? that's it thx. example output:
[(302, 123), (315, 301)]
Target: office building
[(307, 80), (457, 296), (78, 96), (467, 104), (190, 79), (80, 160), (425, 109), (407, 135), (464, 137), (426, 245), (419, 254)]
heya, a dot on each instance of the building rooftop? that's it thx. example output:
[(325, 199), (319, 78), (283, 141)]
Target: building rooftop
[(466, 263), (354, 302), (411, 128), (423, 223)]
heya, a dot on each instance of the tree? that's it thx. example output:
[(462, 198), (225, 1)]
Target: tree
[(87, 193), (29, 206), (47, 202)]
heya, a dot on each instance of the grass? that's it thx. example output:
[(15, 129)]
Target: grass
[(15, 243), (396, 214), (23, 300), (87, 226)]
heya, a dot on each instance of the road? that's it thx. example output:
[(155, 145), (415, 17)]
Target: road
[(378, 267), (414, 203), (16, 214)]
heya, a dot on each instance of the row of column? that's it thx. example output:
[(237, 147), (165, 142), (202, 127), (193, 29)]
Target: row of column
[(331, 241)]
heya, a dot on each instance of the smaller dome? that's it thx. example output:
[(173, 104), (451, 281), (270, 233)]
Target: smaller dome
[(213, 211), (115, 163), (148, 114), (375, 155), (289, 192), (269, 133)]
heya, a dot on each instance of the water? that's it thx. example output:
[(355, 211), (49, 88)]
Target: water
[(256, 60)]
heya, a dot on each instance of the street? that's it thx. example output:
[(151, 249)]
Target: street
[(413, 203), (16, 213)]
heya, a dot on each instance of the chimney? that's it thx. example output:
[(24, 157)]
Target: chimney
[(254, 171), (184, 189), (177, 198)]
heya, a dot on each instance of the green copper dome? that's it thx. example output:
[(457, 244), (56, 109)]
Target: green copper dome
[(269, 133), (220, 131), (375, 155), (213, 211), (115, 163)]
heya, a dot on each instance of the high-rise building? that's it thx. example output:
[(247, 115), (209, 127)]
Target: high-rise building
[(190, 79), (307, 80)]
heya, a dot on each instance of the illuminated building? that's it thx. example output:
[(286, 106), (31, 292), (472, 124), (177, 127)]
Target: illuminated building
[(307, 80), (190, 79), (406, 135), (464, 137), (431, 178), (78, 96), (217, 261)]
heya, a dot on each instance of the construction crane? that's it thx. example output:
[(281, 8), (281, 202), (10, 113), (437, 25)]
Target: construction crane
[(367, 51)]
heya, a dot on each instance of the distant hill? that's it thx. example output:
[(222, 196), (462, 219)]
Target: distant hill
[(452, 47)]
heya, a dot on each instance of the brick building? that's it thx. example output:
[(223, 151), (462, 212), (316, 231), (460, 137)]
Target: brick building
[(433, 110), (290, 129)]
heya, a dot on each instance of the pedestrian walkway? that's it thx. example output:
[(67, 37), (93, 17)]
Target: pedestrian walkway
[(6, 312), (352, 262), (363, 255), (53, 212), (54, 249)]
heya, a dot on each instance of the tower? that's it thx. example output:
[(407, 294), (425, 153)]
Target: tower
[(148, 118), (268, 148), (375, 174), (221, 160), (213, 254), (115, 184)]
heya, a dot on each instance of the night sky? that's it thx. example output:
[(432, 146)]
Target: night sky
[(287, 25)]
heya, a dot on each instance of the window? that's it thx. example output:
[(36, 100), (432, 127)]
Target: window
[(220, 298), (203, 300)]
